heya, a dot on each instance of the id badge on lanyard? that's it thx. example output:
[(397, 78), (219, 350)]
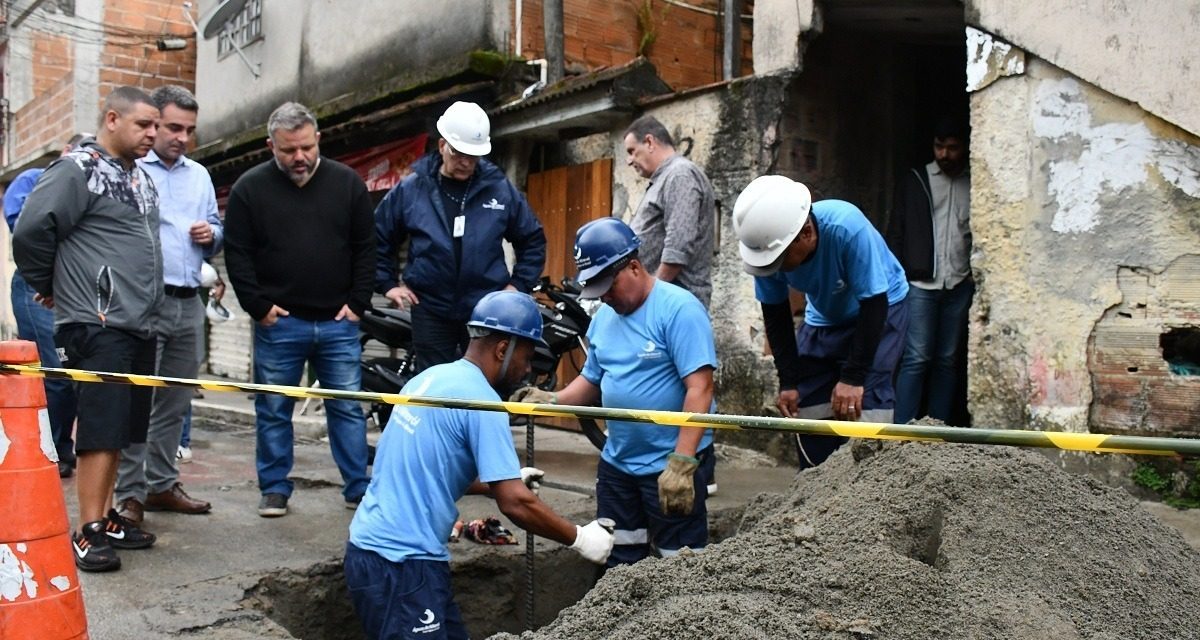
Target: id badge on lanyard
[(460, 225)]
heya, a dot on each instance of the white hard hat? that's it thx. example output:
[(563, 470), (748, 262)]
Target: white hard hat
[(766, 218), (466, 128), (217, 312), (208, 275)]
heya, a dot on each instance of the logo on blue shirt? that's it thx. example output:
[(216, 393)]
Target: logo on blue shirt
[(494, 204), (651, 351)]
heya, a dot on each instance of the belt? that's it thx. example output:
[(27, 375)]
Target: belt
[(180, 292)]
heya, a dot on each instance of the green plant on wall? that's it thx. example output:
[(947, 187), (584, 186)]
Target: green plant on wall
[(647, 24), (1153, 477)]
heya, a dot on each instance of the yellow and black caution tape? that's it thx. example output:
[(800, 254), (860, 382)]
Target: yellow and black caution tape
[(1091, 442)]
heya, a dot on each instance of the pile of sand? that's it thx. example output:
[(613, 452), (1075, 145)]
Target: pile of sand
[(915, 541)]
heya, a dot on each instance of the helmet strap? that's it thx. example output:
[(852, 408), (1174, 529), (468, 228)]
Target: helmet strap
[(512, 346)]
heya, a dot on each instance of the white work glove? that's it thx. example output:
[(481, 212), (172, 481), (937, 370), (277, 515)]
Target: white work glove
[(593, 542), (532, 477)]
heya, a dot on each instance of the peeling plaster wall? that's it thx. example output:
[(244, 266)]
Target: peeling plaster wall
[(1069, 185), (1142, 51)]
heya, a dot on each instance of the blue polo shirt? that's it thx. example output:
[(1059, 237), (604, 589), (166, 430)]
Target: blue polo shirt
[(186, 196), (639, 361), (424, 462), (851, 263)]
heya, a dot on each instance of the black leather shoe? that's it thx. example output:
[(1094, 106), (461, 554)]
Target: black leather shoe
[(65, 469)]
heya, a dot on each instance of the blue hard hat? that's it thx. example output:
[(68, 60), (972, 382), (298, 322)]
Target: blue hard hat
[(601, 243), (510, 312)]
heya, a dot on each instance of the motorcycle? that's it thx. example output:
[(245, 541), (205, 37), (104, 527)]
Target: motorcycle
[(564, 325), (391, 328)]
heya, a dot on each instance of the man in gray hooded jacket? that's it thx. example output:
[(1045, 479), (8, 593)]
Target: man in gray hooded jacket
[(87, 242)]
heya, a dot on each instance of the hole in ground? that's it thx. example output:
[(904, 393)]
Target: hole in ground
[(489, 586)]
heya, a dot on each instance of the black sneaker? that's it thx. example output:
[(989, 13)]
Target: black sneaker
[(273, 505), (123, 534), (92, 550)]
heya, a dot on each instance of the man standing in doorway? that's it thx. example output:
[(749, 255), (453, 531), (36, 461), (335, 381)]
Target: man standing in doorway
[(930, 233), (455, 209), (840, 362), (190, 232), (36, 324), (87, 242), (299, 250), (650, 347), (675, 218)]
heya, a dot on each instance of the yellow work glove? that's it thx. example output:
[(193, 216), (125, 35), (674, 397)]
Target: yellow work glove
[(533, 395), (676, 485)]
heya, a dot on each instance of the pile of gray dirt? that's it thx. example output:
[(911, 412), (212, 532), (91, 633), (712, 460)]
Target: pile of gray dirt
[(915, 541)]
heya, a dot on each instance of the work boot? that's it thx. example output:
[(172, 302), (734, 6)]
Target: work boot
[(177, 500), (123, 534), (132, 510), (92, 550)]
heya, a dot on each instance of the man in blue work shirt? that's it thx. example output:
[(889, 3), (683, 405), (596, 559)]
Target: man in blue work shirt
[(190, 230), (841, 360), (455, 209), (650, 347), (397, 563), (36, 323)]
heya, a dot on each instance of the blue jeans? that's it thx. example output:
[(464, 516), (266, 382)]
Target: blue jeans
[(185, 436), (36, 323), (280, 353), (936, 323)]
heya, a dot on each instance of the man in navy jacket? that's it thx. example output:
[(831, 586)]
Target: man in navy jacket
[(455, 209)]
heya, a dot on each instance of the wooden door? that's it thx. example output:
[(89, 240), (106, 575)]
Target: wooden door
[(564, 199)]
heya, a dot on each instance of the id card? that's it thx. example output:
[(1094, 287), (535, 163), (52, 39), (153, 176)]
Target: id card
[(460, 226)]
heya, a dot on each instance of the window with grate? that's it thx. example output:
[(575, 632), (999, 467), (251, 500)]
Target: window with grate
[(244, 28)]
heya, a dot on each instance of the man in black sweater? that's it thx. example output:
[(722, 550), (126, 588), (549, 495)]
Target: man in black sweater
[(299, 246)]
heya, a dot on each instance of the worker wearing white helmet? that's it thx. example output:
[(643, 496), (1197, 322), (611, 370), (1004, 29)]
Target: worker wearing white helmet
[(841, 360), (456, 210)]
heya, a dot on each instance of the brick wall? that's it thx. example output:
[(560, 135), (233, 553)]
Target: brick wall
[(136, 60), (52, 59), (48, 118), (686, 50)]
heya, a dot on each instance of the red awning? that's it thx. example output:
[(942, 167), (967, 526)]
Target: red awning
[(384, 166)]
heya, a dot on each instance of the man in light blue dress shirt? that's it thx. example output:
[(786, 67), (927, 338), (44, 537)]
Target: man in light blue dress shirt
[(190, 231)]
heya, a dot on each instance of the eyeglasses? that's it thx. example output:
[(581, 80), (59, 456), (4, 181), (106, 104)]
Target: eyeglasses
[(454, 153)]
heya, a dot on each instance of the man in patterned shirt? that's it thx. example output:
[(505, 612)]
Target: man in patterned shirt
[(87, 242)]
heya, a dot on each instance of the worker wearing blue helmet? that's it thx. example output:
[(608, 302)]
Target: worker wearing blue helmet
[(650, 347), (397, 562)]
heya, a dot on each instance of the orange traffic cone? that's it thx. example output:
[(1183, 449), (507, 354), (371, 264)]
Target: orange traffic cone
[(39, 588)]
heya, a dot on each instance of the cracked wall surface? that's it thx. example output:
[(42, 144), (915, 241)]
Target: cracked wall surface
[(1070, 185)]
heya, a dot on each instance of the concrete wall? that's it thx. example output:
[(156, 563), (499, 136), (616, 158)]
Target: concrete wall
[(315, 51), (1142, 51), (778, 28), (1071, 186)]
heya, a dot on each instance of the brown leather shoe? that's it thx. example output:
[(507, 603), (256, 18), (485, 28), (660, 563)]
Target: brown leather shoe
[(175, 499), (131, 510)]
